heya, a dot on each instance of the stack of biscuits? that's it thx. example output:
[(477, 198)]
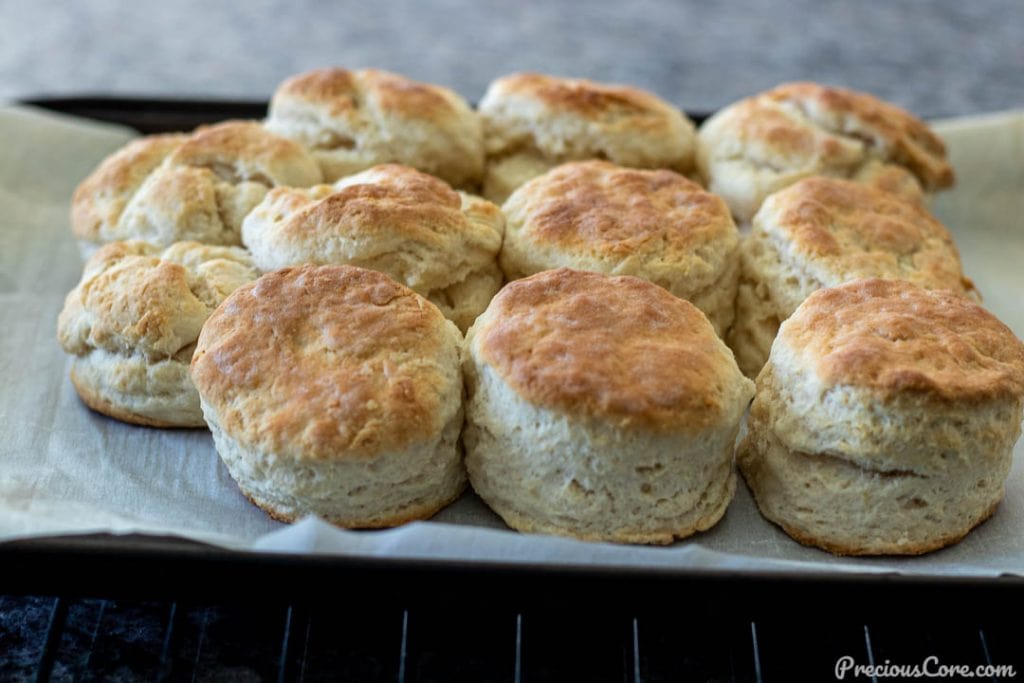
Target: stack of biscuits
[(567, 298)]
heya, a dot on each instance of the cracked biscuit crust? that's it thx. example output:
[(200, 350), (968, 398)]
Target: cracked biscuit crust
[(133, 320), (766, 142), (352, 120), (827, 231), (533, 122), (441, 243), (821, 232), (856, 476), (885, 419), (170, 188)]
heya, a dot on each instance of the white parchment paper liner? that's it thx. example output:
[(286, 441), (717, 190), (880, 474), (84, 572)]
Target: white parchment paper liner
[(66, 470)]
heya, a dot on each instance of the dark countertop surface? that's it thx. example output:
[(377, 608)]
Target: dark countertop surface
[(937, 58)]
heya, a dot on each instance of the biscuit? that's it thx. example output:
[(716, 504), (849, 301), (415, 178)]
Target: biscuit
[(334, 391), (821, 232), (132, 323), (763, 143), (533, 122), (170, 188), (352, 120), (602, 408), (885, 419), (655, 225), (412, 226)]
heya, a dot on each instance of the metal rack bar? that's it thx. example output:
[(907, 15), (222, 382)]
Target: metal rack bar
[(305, 648), (403, 649), (54, 629), (517, 674), (200, 642), (282, 660), (984, 649), (870, 651), (636, 651), (166, 661), (757, 653)]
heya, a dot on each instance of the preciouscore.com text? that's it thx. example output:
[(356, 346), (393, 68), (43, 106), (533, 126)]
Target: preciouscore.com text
[(931, 667)]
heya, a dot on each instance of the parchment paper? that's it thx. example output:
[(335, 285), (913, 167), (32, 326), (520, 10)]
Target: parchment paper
[(67, 470)]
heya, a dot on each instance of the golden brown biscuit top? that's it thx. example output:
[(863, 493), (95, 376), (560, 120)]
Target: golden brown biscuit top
[(895, 338), (584, 98), (180, 166), (612, 348), (892, 179), (801, 120), (340, 92), (854, 231), (332, 87), (239, 151), (326, 362), (526, 116), (102, 196), (387, 197), (392, 218), (610, 211), (138, 298)]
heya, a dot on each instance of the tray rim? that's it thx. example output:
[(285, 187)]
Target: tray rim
[(27, 559)]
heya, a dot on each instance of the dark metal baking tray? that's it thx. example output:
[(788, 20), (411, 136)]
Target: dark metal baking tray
[(164, 568)]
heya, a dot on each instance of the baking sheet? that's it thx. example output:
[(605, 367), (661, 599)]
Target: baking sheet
[(67, 470)]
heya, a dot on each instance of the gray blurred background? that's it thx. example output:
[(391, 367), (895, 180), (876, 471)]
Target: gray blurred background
[(937, 58)]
